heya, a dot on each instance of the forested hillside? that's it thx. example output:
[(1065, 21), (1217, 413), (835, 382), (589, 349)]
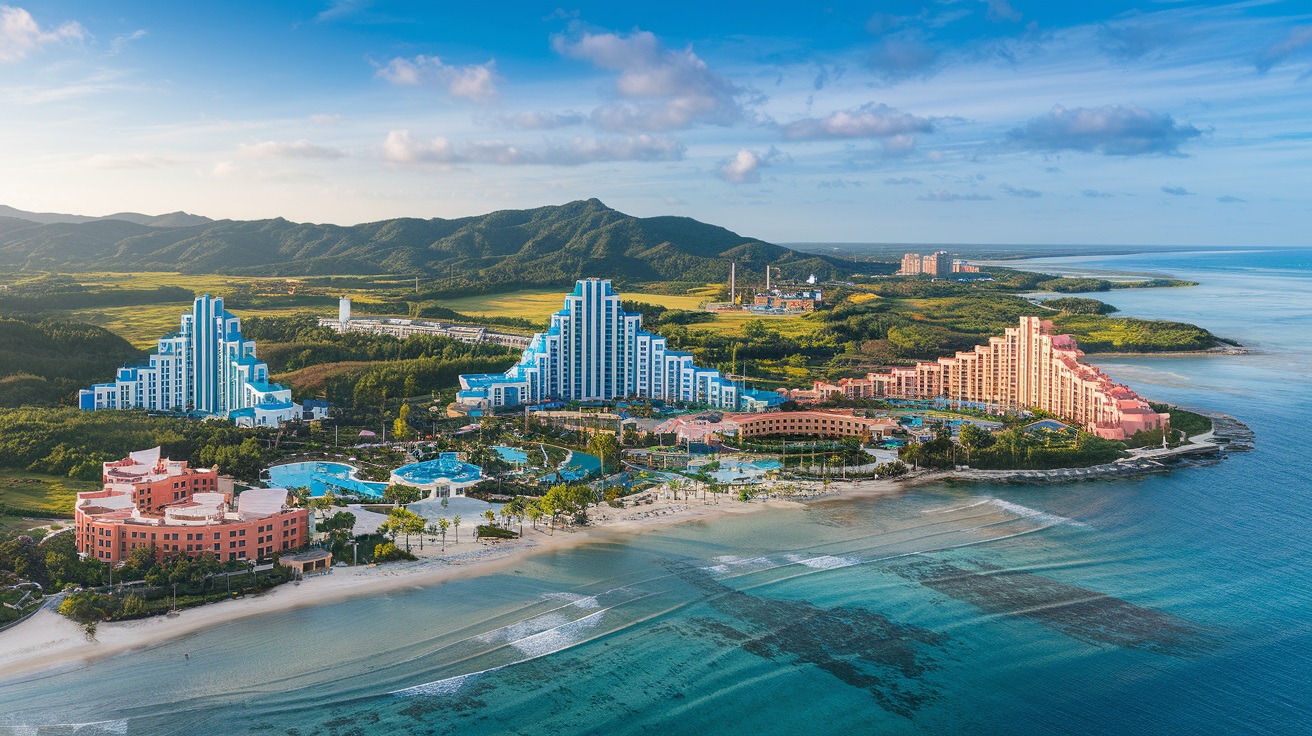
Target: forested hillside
[(543, 246), (44, 362)]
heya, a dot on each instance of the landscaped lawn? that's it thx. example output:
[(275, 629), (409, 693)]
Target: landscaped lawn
[(537, 304), (35, 494)]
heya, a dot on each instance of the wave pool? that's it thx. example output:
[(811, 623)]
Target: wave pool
[(445, 472), (319, 476)]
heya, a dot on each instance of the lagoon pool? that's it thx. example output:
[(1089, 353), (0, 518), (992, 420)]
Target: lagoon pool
[(511, 454), (447, 467), (738, 472), (320, 476), (580, 466)]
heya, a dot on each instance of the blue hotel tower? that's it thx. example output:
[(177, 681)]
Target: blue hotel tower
[(207, 367), (596, 351)]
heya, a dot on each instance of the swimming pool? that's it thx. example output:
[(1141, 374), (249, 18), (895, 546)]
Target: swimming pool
[(511, 454), (581, 466), (447, 468), (737, 471), (320, 476)]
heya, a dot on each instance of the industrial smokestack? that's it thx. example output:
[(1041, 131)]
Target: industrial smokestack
[(733, 274)]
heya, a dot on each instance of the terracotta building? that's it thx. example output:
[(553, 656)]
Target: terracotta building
[(814, 423), (149, 501), (1029, 367)]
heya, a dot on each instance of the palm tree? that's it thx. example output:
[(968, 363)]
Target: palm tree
[(455, 525), (442, 524)]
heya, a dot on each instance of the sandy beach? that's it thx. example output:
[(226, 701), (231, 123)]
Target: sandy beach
[(48, 641)]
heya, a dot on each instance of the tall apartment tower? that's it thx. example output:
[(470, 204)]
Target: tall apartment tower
[(344, 310), (936, 264), (911, 263), (205, 367)]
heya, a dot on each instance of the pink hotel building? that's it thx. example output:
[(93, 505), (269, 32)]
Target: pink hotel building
[(1028, 367), (162, 504)]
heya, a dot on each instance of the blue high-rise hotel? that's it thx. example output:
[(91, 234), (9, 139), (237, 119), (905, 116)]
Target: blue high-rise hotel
[(207, 367), (596, 351)]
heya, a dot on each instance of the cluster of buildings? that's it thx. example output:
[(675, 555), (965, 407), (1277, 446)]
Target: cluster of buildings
[(163, 505), (1029, 367), (206, 368), (775, 299), (839, 424), (938, 263), (778, 301), (403, 328), (594, 350)]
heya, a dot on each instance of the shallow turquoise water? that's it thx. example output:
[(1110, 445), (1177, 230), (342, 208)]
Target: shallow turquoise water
[(511, 454), (446, 466), (320, 476), (1163, 605)]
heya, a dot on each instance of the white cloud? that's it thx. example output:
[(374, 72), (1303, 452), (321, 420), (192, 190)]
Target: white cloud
[(669, 89), (1000, 10), (540, 120), (341, 9), (20, 34), (289, 149), (1113, 130), (402, 148), (867, 121), (122, 40), (326, 119), (1299, 41), (223, 169), (745, 166), (477, 82)]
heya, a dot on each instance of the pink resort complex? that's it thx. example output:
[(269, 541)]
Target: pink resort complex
[(162, 504), (1027, 368)]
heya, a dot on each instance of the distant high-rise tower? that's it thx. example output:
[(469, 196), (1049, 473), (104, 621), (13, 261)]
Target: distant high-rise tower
[(936, 264), (344, 310), (911, 263)]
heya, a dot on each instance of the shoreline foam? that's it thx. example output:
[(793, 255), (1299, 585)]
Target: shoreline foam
[(47, 641)]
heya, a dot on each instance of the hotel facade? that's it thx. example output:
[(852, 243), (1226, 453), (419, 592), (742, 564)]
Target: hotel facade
[(594, 350), (206, 367), (149, 501), (1029, 367)]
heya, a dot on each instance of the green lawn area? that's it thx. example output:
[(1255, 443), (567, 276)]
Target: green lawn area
[(143, 326), (537, 304), (789, 325), (34, 494)]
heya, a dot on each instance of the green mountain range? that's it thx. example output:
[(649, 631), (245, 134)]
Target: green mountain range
[(547, 245)]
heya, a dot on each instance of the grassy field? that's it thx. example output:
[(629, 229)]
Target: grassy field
[(537, 304), (36, 494), (731, 323), (144, 325)]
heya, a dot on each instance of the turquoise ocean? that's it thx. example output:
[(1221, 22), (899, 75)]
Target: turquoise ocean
[(1173, 604)]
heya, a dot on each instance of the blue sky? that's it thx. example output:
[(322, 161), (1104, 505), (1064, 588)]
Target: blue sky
[(957, 121)]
